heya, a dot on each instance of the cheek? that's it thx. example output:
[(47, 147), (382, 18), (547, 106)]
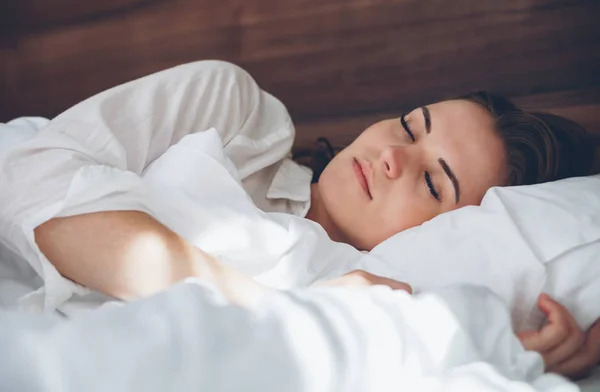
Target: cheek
[(340, 192), (335, 178), (404, 210)]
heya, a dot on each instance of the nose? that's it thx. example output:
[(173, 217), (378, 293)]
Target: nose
[(393, 160)]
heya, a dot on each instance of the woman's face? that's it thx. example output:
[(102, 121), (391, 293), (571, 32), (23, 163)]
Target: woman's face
[(400, 173)]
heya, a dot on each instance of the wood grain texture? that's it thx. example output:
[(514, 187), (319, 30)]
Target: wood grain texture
[(336, 64), (32, 15)]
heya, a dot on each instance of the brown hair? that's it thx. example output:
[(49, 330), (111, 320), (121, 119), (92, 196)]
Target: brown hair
[(316, 158), (540, 147)]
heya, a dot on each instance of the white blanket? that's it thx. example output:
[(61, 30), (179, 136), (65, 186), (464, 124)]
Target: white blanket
[(367, 342), (190, 339)]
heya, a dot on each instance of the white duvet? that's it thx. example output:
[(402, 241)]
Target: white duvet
[(189, 339)]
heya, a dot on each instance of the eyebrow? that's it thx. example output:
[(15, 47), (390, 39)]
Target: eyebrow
[(427, 117), (445, 167), (452, 178)]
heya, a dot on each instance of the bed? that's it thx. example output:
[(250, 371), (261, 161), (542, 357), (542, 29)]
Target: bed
[(339, 65)]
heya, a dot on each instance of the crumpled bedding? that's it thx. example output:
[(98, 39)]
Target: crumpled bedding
[(288, 252), (190, 339)]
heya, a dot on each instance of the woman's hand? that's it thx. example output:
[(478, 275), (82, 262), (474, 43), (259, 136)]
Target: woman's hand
[(565, 347), (359, 278)]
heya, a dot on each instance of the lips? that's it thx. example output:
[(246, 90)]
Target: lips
[(361, 176)]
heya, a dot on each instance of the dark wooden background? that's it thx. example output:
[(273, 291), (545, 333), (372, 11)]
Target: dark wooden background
[(337, 64)]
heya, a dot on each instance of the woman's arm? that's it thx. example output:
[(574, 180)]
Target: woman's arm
[(137, 256), (128, 255)]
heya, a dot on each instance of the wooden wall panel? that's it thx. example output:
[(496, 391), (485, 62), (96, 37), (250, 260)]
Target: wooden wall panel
[(401, 53), (325, 59)]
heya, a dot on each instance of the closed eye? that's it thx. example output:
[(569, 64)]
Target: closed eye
[(406, 127), (431, 187)]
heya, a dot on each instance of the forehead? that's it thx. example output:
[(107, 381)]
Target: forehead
[(461, 116), (462, 134)]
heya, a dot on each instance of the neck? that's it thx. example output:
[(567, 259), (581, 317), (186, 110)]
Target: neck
[(318, 213)]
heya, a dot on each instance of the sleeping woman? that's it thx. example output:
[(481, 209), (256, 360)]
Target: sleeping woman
[(71, 206)]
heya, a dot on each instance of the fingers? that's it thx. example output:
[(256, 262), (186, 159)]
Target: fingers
[(565, 329), (593, 338), (573, 344), (367, 279), (556, 330), (576, 367), (393, 284), (566, 349), (585, 360)]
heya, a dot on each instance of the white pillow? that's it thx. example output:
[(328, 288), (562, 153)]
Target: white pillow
[(519, 242)]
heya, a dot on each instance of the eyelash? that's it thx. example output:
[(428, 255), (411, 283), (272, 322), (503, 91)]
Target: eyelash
[(428, 181), (406, 128), (431, 187)]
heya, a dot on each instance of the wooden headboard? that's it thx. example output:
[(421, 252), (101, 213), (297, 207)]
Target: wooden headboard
[(337, 64)]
